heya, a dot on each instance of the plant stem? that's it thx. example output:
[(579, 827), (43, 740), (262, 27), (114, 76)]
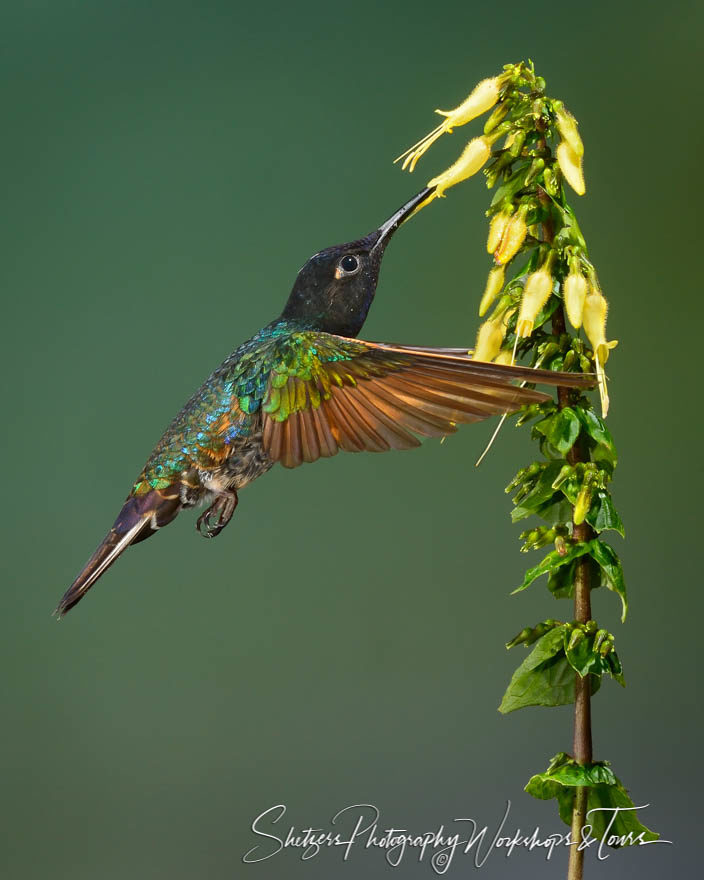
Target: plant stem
[(582, 742)]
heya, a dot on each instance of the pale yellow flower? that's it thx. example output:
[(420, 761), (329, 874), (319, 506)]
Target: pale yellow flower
[(513, 237), (574, 291), (497, 227), (594, 319), (504, 357), (482, 98), (472, 159), (536, 293), (567, 126), (489, 338), (571, 166), (494, 285)]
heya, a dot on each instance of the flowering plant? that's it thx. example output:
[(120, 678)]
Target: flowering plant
[(534, 237)]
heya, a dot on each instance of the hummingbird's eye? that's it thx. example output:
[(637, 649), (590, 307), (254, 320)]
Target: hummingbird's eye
[(349, 264)]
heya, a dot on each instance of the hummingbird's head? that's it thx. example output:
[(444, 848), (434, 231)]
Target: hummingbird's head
[(335, 288)]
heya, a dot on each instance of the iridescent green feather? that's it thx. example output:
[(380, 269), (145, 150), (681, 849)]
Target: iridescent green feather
[(255, 376)]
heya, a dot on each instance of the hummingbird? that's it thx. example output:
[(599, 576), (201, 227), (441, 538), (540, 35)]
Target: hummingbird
[(305, 387)]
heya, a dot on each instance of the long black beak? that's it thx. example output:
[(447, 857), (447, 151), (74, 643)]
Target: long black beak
[(387, 229)]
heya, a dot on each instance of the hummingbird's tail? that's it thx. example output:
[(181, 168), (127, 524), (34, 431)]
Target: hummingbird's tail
[(139, 518)]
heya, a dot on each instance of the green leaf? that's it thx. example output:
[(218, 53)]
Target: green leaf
[(611, 569), (566, 771), (514, 183), (546, 311), (603, 515), (617, 829), (553, 561), (531, 411), (545, 678), (605, 458), (606, 795), (555, 510), (571, 487), (605, 449), (542, 499), (561, 429), (542, 488), (615, 669), (572, 773), (561, 581), (595, 427)]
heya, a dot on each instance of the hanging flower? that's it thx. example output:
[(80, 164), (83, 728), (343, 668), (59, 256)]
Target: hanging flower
[(482, 98)]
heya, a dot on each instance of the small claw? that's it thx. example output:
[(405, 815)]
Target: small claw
[(224, 506), (203, 524)]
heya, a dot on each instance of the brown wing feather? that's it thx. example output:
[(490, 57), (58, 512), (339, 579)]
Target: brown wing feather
[(387, 395)]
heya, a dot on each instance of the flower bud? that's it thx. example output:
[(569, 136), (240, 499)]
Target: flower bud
[(482, 98), (582, 504), (566, 471), (607, 645), (567, 126), (576, 637), (472, 159), (513, 237), (496, 118), (489, 339), (535, 294), (514, 143), (574, 291), (496, 230), (604, 639), (522, 636), (570, 360), (494, 284), (571, 166), (550, 179), (535, 169), (546, 351)]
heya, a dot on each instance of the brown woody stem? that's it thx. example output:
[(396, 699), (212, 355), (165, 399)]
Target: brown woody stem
[(582, 743)]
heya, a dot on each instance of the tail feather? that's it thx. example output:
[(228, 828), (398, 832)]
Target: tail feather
[(138, 519)]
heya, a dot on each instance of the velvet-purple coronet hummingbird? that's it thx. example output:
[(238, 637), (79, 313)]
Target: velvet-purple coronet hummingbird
[(305, 387)]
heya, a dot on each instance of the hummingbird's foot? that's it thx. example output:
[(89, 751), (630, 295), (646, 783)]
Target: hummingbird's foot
[(213, 520)]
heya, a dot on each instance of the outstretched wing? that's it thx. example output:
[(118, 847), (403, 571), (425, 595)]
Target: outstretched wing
[(329, 393)]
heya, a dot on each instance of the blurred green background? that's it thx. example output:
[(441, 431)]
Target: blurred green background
[(167, 167)]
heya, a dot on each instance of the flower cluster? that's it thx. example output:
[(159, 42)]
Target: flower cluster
[(528, 175)]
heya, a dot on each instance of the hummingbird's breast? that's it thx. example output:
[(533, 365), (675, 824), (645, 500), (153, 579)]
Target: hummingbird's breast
[(246, 461), (215, 441)]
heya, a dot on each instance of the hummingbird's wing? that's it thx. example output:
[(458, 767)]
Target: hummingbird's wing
[(332, 393)]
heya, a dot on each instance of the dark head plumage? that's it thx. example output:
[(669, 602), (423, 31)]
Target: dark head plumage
[(335, 288)]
